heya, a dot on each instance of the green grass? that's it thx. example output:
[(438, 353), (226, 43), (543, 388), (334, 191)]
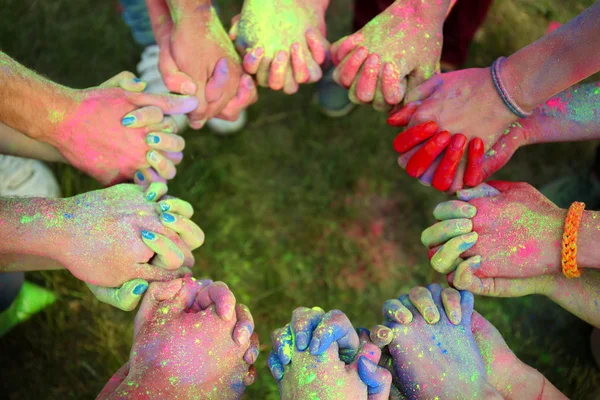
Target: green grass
[(297, 209)]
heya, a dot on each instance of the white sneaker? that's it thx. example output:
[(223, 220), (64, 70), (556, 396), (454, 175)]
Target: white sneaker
[(148, 71), (23, 177)]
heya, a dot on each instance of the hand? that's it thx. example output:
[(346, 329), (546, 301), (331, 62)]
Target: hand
[(114, 235), (509, 230), (430, 345), (191, 340), (396, 51), (443, 99), (103, 131), (321, 355), (283, 42), (184, 30)]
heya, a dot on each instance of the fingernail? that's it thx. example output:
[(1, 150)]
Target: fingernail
[(198, 123), (164, 207), (259, 51), (168, 218), (139, 289), (140, 176), (188, 88), (468, 241), (469, 211), (314, 346), (128, 120), (284, 356), (244, 336), (153, 156), (152, 139), (281, 56), (278, 373), (137, 80), (430, 315), (302, 341), (151, 196), (370, 366), (454, 318), (475, 262), (253, 355), (148, 235)]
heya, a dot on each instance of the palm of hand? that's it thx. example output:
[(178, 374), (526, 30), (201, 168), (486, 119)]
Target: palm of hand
[(278, 26), (109, 223), (189, 354), (82, 136), (323, 377), (436, 361), (519, 235)]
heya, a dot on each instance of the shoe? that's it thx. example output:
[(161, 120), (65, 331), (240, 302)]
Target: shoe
[(584, 187), (148, 71), (23, 177), (331, 98), (30, 300)]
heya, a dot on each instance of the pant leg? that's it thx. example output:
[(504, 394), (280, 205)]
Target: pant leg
[(461, 25), (135, 15), (10, 285)]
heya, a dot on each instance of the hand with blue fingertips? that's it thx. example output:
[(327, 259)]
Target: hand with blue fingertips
[(333, 362), (436, 355), (191, 340)]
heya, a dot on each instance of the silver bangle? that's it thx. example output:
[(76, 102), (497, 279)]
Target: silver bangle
[(506, 98)]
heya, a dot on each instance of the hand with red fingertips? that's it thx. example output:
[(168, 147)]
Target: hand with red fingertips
[(402, 116), (395, 52), (283, 43), (426, 155), (414, 135), (444, 174)]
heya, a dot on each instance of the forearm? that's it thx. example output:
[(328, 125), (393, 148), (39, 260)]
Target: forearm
[(29, 103), (15, 143), (554, 62), (30, 227), (588, 237), (570, 116), (26, 262), (579, 296)]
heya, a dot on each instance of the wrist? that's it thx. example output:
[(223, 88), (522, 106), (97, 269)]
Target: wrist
[(587, 238), (516, 85), (54, 104)]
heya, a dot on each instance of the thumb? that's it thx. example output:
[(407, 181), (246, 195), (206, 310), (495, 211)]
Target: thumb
[(125, 298), (377, 379), (125, 80), (175, 80), (114, 382), (168, 103)]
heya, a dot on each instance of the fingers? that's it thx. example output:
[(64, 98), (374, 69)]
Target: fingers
[(317, 45), (142, 117), (165, 141), (167, 125), (251, 354), (176, 206), (454, 209), (413, 136), (422, 159), (252, 60), (167, 103), (282, 340), (115, 381), (162, 165), (467, 304), (245, 96), (424, 90), (335, 327), (393, 85), (168, 255), (405, 301), (381, 335), (233, 31), (290, 86), (299, 64), (216, 84), (474, 172), (155, 191), (157, 293), (125, 80), (218, 294), (304, 322), (250, 376), (423, 301), (367, 82), (175, 80), (344, 46), (445, 172), (244, 326), (125, 298), (394, 311), (346, 73), (279, 69), (443, 231), (483, 190), (188, 231), (444, 259), (377, 379), (402, 117), (451, 299), (275, 366)]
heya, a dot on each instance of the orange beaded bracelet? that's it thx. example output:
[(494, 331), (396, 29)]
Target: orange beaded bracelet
[(569, 242)]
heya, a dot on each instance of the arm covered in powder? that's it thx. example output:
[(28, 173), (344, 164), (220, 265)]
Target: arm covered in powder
[(15, 143)]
